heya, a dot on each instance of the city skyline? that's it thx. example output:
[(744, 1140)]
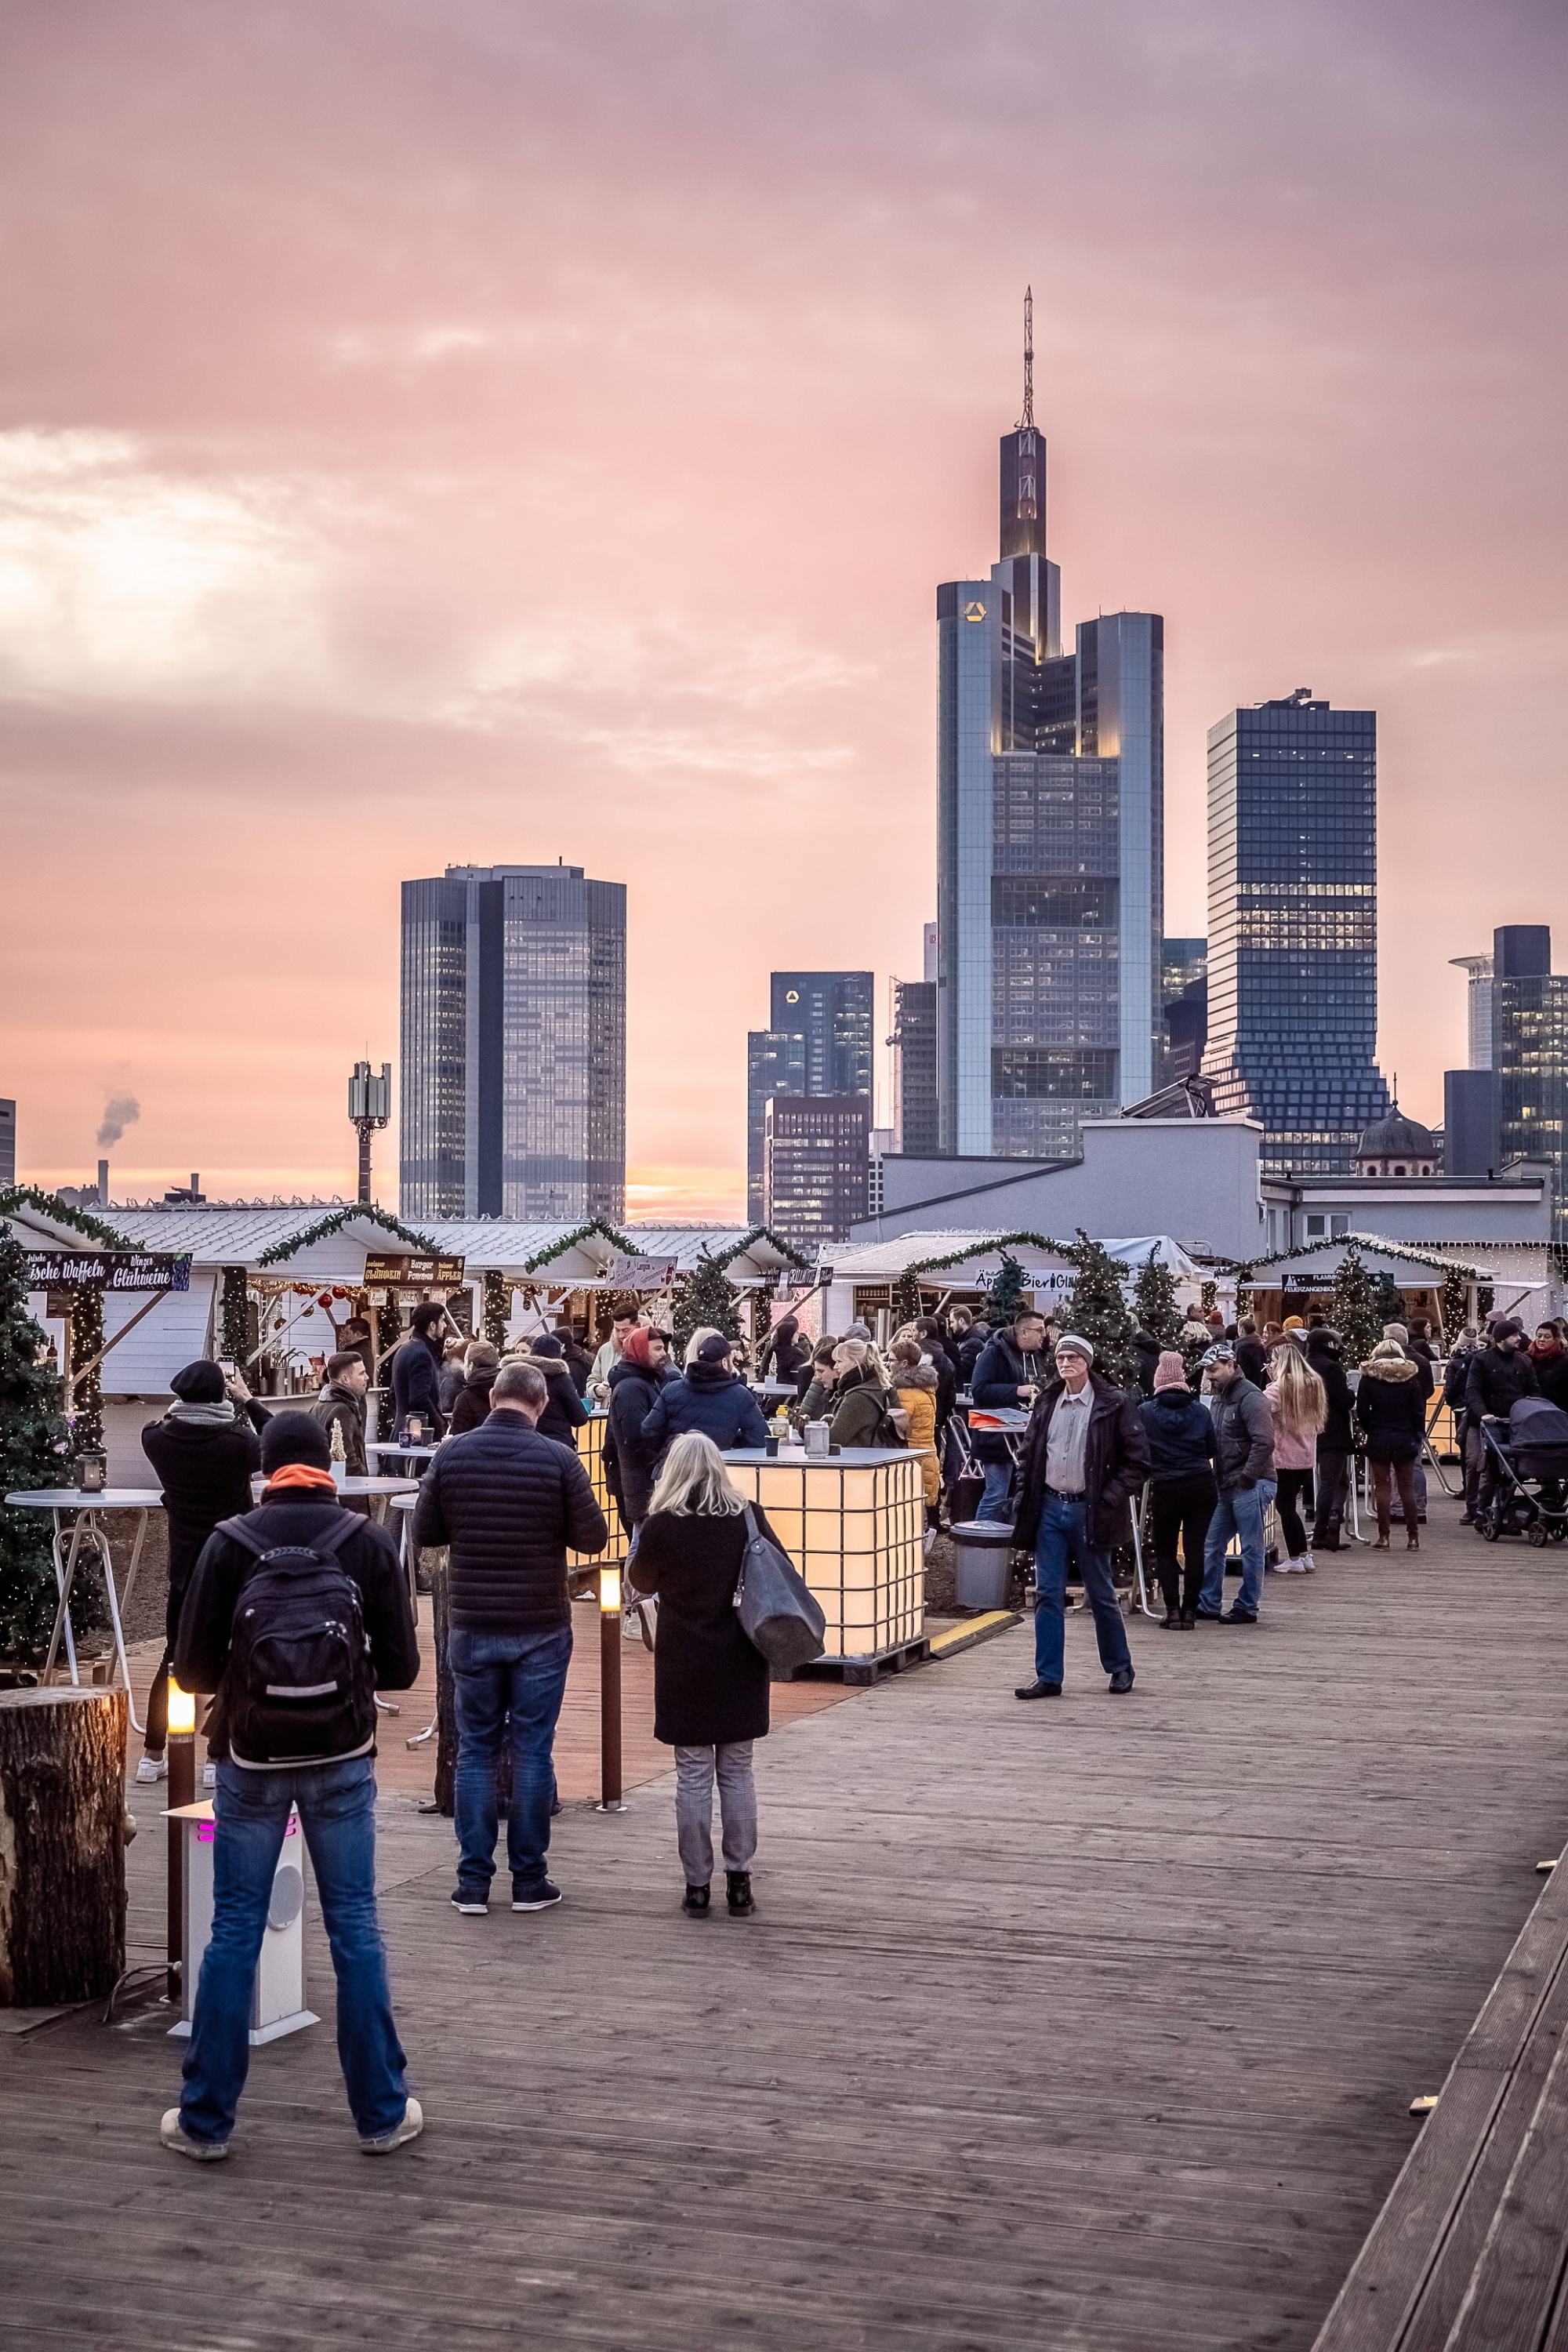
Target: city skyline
[(305, 566)]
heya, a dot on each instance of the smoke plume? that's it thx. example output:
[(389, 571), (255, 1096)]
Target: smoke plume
[(120, 1112)]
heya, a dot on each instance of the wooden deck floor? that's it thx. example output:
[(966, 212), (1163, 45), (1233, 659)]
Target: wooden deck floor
[(1087, 2025)]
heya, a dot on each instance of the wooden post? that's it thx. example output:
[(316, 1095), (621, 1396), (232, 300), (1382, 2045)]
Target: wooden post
[(62, 1846), (610, 1691)]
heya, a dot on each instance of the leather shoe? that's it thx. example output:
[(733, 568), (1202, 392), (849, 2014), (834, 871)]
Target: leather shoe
[(1121, 1681), (1238, 1617), (1039, 1690)]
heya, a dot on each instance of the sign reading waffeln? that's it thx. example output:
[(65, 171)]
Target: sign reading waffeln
[(107, 1270), (418, 1272), (641, 1272)]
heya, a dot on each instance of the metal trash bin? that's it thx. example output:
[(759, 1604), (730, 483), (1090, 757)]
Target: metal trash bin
[(982, 1566)]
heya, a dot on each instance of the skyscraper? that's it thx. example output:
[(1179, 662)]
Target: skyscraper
[(818, 1041), (513, 1099), (1530, 1055), (917, 1127), (1292, 953), (1050, 852), (817, 1167), (1185, 1001)]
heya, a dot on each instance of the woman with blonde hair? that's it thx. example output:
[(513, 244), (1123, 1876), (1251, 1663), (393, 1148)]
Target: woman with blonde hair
[(709, 1686), (914, 1385), (1300, 1403), (863, 1392)]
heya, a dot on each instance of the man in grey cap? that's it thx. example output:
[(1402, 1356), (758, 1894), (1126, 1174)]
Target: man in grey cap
[(1086, 1454)]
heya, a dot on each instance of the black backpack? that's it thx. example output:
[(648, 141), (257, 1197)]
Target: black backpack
[(298, 1687)]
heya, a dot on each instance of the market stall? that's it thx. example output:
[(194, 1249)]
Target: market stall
[(883, 1283)]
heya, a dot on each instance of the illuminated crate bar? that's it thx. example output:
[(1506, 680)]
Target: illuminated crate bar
[(591, 1455), (853, 1525)]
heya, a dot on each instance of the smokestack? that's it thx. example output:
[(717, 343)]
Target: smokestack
[(103, 1184)]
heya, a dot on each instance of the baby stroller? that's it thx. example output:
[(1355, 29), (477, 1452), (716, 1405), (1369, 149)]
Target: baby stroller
[(1526, 1475)]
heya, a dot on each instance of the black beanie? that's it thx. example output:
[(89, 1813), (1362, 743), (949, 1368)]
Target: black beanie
[(198, 1384), (294, 1437), (547, 1344)]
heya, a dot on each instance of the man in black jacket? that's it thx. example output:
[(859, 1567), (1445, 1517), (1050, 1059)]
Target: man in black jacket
[(204, 1451), (1498, 1376), (1085, 1453), (509, 1503), (1336, 1439), (1244, 1465), (1009, 1372), (334, 1795), (416, 1374)]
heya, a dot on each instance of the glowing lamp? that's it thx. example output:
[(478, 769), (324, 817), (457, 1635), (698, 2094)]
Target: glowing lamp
[(181, 1710), (610, 1591)]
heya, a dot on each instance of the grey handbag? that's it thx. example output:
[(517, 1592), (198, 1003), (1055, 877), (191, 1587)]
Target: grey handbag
[(779, 1614)]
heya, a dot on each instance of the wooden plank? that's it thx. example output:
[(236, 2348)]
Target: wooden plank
[(1518, 2275)]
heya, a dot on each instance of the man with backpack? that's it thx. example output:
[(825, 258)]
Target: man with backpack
[(296, 1612)]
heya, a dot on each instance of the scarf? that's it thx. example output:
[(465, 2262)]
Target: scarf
[(203, 1416), (300, 1474)]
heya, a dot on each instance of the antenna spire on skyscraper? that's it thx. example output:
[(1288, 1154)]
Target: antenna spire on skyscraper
[(1028, 418)]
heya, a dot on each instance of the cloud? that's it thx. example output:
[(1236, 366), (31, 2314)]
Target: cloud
[(120, 1112)]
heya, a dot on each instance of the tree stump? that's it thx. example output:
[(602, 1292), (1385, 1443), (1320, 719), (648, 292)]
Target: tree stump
[(62, 1846), (447, 1714)]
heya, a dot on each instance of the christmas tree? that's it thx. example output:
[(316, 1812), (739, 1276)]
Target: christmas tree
[(1357, 1318), (1455, 1300), (1155, 1301), (234, 1340), (907, 1299), (1390, 1302), (1005, 1296), (706, 1302), (30, 1435), (1099, 1312), (497, 1309)]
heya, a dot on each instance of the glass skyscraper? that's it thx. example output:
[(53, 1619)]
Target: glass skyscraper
[(513, 1097), (1051, 857), (818, 1041), (1530, 1055), (1292, 937)]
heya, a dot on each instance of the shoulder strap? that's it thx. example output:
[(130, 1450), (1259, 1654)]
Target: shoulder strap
[(245, 1536), (330, 1544)]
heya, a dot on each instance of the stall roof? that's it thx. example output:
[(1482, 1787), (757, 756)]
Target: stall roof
[(943, 1253), (41, 1220), (582, 1254), (331, 1243)]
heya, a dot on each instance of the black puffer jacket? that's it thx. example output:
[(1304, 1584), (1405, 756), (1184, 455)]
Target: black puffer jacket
[(634, 1389), (205, 1470), (1243, 1436), (1180, 1430), (1335, 1435), (370, 1556), (1498, 1377), (1390, 1408), (472, 1405), (511, 1503), (709, 1682)]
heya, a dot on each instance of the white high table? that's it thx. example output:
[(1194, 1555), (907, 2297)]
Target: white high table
[(65, 1548)]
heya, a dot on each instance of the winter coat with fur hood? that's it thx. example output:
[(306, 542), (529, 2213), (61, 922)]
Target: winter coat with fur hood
[(1388, 1406)]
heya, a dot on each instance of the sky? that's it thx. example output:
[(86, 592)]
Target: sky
[(498, 432)]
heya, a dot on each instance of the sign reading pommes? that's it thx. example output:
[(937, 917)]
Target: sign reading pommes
[(413, 1272)]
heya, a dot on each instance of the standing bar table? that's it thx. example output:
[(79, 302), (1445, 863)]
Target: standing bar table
[(854, 1524), (66, 1546)]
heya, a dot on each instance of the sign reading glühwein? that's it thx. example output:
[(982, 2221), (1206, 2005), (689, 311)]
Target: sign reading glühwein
[(418, 1272), (107, 1270)]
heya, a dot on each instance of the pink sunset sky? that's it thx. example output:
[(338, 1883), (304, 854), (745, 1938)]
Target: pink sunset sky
[(498, 433)]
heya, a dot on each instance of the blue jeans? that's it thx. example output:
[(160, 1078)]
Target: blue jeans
[(337, 1811), (1063, 1536), (1240, 1513), (494, 1674), (998, 1486)]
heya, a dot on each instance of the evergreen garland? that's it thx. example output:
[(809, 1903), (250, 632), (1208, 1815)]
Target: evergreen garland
[(1356, 1316), (1155, 1301), (706, 1301), (582, 1233), (31, 1434), (334, 1223), (1453, 1305), (1098, 1313), (497, 1309), (234, 1320), (1004, 1298)]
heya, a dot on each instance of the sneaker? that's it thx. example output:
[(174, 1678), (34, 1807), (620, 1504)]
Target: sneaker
[(411, 2126), (152, 1767), (471, 1901), (210, 1776), (695, 1901), (537, 1897), (738, 1885), (200, 2151), (1207, 1617), (1238, 1617)]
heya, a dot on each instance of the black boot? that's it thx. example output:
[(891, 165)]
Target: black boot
[(738, 1882), (1171, 1621), (695, 1900)]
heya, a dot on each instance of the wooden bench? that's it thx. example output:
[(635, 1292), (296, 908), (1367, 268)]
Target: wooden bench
[(1470, 2250)]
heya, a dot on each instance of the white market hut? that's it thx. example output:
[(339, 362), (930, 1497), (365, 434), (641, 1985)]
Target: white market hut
[(1515, 1277), (869, 1277), (545, 1271)]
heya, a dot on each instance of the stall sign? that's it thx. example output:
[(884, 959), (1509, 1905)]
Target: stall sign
[(641, 1272), (414, 1273), (108, 1270), (1306, 1286), (1058, 1279)]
